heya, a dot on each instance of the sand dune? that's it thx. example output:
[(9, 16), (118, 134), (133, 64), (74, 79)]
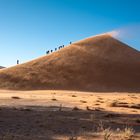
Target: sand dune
[(99, 63)]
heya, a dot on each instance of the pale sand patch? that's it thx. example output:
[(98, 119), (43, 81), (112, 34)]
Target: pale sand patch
[(69, 99)]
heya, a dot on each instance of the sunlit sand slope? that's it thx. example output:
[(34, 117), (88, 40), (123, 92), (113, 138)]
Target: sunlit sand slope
[(99, 63)]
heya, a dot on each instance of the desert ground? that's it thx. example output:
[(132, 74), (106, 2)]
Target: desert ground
[(29, 110), (69, 115)]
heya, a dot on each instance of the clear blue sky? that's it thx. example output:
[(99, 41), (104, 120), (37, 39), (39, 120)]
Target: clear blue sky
[(30, 27)]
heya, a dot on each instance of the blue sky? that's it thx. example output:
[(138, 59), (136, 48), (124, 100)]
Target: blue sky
[(30, 27)]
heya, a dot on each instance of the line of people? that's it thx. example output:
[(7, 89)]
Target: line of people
[(60, 47), (50, 51)]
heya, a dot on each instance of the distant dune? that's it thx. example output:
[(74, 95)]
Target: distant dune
[(1, 67), (100, 63)]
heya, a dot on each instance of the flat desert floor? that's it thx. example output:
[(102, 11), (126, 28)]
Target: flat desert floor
[(69, 115)]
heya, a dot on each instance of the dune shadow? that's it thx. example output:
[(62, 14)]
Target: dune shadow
[(41, 123)]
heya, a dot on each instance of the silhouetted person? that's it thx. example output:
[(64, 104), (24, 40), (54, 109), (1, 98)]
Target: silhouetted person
[(55, 49), (47, 52), (63, 46), (70, 42), (51, 51), (17, 62)]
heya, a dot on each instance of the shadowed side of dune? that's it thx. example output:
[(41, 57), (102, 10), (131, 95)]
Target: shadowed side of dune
[(99, 63)]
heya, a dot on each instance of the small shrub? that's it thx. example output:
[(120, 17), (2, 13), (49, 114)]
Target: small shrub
[(82, 101), (100, 127), (53, 99), (73, 96), (89, 109), (99, 101), (97, 104), (15, 97), (136, 106), (137, 120), (100, 98), (107, 134), (75, 108), (127, 134), (98, 109), (113, 104)]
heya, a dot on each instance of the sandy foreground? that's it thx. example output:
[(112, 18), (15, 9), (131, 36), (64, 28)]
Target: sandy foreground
[(52, 115)]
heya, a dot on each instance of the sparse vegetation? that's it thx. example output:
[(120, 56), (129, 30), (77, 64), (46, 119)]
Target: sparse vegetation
[(137, 120), (53, 99), (123, 104), (100, 98), (107, 133), (15, 97), (89, 109), (99, 101), (136, 106), (52, 118), (100, 126), (112, 104), (127, 134), (75, 108), (82, 101), (97, 104), (73, 96)]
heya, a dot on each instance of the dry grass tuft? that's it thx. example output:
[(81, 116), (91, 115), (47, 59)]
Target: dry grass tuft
[(127, 134), (107, 133)]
